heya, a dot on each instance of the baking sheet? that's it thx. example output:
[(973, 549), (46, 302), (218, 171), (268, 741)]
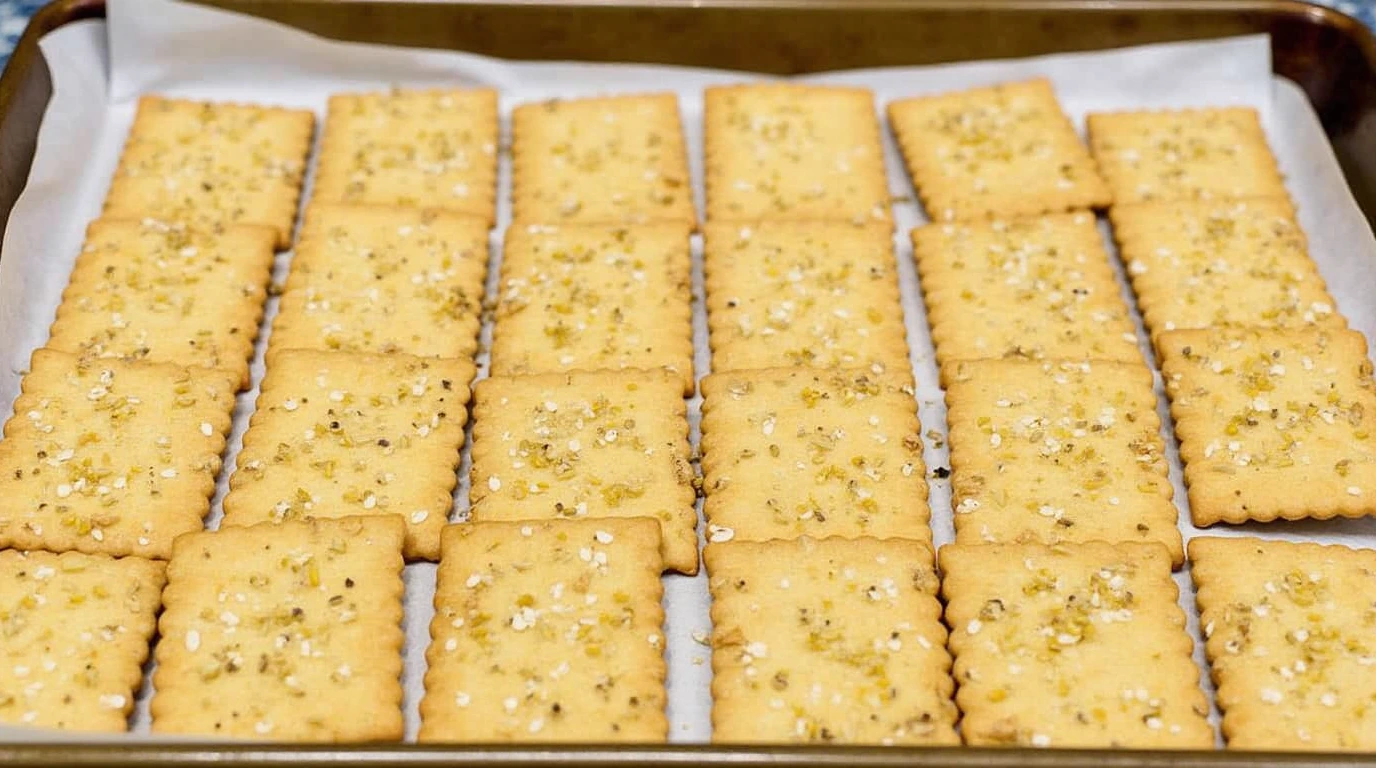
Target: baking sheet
[(99, 68)]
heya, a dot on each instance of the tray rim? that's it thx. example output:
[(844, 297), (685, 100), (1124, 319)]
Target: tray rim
[(123, 751)]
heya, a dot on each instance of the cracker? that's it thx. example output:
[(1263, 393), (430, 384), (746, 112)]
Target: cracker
[(1204, 264), (213, 163), (286, 632), (342, 434), (793, 152), (828, 641), (1075, 646), (604, 444), (151, 290), (816, 294), (1288, 632), (1057, 452), (1272, 423), (794, 452), (589, 297), (414, 148), (76, 630), (1003, 150), (384, 279), (108, 456), (611, 160), (1030, 289), (1189, 154), (547, 631)]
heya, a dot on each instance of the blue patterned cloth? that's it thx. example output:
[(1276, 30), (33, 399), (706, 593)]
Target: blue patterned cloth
[(14, 15)]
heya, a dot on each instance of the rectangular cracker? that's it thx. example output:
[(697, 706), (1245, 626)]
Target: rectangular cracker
[(286, 632), (789, 452), (152, 290), (1002, 150), (793, 152), (1030, 289), (384, 279), (1288, 632), (76, 631), (815, 294), (1272, 423), (1057, 452), (1079, 645), (1188, 154), (603, 444), (833, 641), (108, 456), (590, 297), (610, 160), (1203, 264), (343, 434), (547, 631), (412, 148), (212, 164)]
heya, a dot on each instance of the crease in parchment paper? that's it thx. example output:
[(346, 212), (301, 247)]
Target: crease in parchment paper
[(99, 69)]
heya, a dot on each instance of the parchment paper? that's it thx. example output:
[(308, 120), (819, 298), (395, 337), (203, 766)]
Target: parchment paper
[(99, 68)]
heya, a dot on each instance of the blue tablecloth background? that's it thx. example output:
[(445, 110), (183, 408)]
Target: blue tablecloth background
[(14, 15)]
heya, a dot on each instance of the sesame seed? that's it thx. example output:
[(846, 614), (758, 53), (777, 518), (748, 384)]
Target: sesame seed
[(112, 701)]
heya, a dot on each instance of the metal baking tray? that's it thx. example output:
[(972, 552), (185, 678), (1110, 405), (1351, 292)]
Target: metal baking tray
[(1331, 56)]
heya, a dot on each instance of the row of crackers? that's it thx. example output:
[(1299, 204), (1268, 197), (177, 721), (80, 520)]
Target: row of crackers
[(1270, 395), (553, 632)]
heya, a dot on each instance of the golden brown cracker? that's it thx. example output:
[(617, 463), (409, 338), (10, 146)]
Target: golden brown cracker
[(603, 444), (816, 294), (339, 434), (1025, 289), (1188, 154), (1272, 423), (166, 292), (287, 632), (1229, 262), (591, 297), (108, 456), (434, 148), (998, 151), (793, 152), (76, 630), (788, 452), (212, 164), (831, 641), (1288, 632), (547, 631), (1057, 452), (608, 160), (1081, 645)]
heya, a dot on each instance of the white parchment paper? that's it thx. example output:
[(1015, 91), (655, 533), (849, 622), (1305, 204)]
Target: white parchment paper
[(99, 68)]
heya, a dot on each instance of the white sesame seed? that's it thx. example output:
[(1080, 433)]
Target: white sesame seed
[(112, 701)]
